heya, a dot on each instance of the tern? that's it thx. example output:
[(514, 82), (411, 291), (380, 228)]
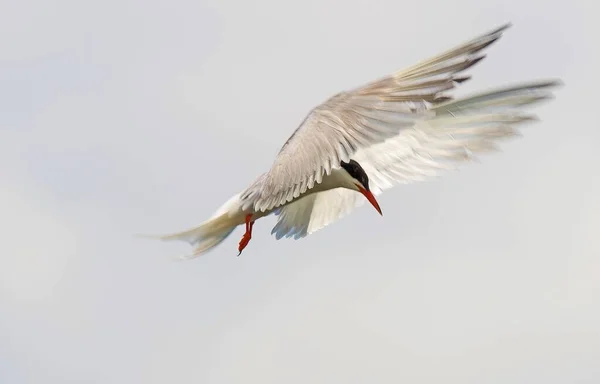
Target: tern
[(400, 129)]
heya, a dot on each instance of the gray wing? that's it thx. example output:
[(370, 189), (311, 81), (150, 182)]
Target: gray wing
[(460, 131), (358, 119)]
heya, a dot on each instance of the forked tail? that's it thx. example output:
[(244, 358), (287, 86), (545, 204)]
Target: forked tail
[(210, 233)]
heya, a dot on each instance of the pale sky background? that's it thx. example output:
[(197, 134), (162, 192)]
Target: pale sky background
[(129, 116)]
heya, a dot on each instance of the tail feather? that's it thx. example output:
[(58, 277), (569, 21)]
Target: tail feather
[(209, 234)]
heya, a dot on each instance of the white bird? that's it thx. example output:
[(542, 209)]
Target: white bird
[(399, 129)]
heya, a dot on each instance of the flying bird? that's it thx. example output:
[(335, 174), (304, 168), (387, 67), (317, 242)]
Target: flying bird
[(400, 129)]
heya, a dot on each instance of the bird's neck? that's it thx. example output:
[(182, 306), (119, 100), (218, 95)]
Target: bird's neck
[(338, 178)]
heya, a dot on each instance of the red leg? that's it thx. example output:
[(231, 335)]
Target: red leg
[(247, 235)]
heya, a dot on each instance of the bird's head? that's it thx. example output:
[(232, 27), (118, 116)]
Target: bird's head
[(360, 181)]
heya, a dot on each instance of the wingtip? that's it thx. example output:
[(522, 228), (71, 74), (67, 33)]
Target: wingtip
[(558, 83), (548, 83), (501, 28)]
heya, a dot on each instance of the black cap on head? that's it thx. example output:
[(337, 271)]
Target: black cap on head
[(357, 172)]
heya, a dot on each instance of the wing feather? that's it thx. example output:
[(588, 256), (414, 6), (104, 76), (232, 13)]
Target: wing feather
[(457, 133), (358, 119), (313, 212)]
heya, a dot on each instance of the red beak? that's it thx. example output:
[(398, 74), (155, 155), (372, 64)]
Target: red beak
[(371, 198)]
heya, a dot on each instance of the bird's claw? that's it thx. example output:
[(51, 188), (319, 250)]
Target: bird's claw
[(244, 242)]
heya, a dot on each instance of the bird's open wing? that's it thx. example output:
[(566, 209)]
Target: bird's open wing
[(315, 211), (358, 119), (459, 130)]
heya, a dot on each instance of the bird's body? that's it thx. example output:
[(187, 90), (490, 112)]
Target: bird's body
[(399, 129)]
